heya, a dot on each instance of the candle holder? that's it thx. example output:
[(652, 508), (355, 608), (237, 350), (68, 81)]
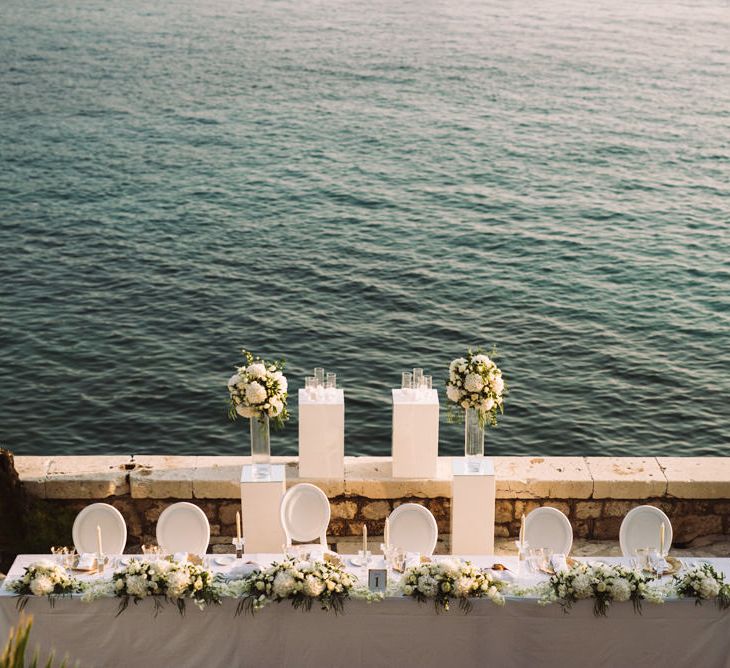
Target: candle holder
[(238, 544), (364, 557), (523, 554), (100, 562)]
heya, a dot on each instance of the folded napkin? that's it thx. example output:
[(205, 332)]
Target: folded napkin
[(182, 557), (659, 564), (240, 571), (87, 562), (559, 563), (413, 559)]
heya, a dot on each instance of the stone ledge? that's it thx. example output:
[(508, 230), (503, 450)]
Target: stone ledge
[(210, 477)]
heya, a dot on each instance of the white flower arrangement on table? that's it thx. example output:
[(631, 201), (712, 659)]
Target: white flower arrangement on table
[(165, 580), (44, 578), (476, 382), (703, 583), (450, 579), (604, 583), (259, 389), (303, 582)]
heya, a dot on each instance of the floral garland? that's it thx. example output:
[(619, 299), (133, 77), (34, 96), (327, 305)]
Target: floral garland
[(475, 382), (604, 583), (302, 582), (703, 583), (167, 580), (259, 389), (450, 579), (44, 578)]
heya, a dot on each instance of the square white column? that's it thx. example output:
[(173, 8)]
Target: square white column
[(472, 507), (322, 435), (415, 435), (260, 501)]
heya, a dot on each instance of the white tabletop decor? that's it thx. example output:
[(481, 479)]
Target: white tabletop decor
[(259, 391), (450, 579), (302, 582), (604, 583), (44, 578), (475, 390), (703, 583)]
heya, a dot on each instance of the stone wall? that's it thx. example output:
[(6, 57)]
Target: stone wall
[(595, 493)]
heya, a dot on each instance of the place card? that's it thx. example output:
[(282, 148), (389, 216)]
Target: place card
[(378, 580)]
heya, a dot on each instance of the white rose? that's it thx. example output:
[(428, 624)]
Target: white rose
[(488, 404), (463, 586), (456, 364), (621, 589), (275, 407), (465, 403), (709, 587), (42, 585), (283, 383), (313, 586), (137, 586), (408, 590), (498, 385), (233, 381), (245, 411), (161, 566), (255, 393), (582, 586), (256, 370), (119, 585), (453, 393), (283, 584), (427, 585), (473, 382), (450, 567), (177, 583)]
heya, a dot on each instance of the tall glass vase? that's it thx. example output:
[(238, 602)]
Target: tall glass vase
[(473, 440), (261, 447)]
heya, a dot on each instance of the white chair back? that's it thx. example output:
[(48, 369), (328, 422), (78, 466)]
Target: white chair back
[(642, 528), (112, 525), (305, 514), (183, 527), (548, 527), (413, 529)]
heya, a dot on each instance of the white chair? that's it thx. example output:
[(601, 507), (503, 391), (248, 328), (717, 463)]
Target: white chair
[(642, 528), (548, 527), (112, 525), (413, 529), (305, 514), (183, 527)]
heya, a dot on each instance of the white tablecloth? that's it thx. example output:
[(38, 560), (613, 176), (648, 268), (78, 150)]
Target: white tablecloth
[(395, 632)]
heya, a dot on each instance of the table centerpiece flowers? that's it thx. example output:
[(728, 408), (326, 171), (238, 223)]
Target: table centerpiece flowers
[(258, 391), (475, 390), (303, 582), (44, 578), (450, 579), (164, 580), (604, 583), (703, 583)]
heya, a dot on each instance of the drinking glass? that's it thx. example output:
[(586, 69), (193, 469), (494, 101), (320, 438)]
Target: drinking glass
[(331, 381), (310, 385), (406, 380), (428, 382), (319, 375), (417, 377)]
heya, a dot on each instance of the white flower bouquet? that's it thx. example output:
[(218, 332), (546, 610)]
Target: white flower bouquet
[(476, 382), (44, 578), (604, 583), (703, 583), (164, 580), (450, 579), (302, 582), (259, 388)]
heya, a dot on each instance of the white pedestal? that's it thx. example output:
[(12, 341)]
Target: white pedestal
[(322, 436), (415, 435), (472, 508), (260, 501)]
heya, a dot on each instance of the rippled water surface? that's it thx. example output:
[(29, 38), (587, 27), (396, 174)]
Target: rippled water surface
[(367, 186)]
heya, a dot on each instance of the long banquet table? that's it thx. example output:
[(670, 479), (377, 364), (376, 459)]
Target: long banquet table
[(394, 632)]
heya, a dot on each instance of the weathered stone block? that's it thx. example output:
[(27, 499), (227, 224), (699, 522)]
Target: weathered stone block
[(525, 507), (542, 477), (503, 510), (562, 506), (626, 477), (688, 528), (618, 508), (372, 478), (162, 477), (375, 510), (227, 511), (606, 528), (588, 509), (345, 509), (218, 477), (97, 477), (501, 531), (697, 477)]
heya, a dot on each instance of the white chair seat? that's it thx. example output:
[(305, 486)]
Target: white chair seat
[(548, 527), (413, 529), (112, 525), (305, 514), (183, 527), (641, 528)]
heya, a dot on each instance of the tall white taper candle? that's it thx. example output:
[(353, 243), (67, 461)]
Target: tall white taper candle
[(238, 525), (98, 540)]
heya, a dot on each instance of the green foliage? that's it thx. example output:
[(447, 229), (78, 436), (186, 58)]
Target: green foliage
[(13, 655)]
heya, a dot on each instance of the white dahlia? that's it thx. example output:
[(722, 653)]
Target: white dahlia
[(42, 585)]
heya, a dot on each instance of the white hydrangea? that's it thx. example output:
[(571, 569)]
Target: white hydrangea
[(255, 392), (275, 407), (313, 586), (481, 359), (453, 393), (233, 381), (463, 586), (283, 584), (456, 365), (473, 383), (620, 589), (498, 385), (137, 585), (42, 585), (582, 586), (161, 566), (245, 411), (283, 383), (177, 583), (256, 370), (487, 404), (450, 567), (427, 585), (709, 587)]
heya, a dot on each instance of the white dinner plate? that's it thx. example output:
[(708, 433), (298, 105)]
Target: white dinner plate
[(548, 527), (112, 525), (641, 528), (183, 527), (413, 529), (225, 560)]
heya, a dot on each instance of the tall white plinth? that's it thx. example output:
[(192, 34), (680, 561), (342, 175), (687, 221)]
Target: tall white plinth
[(260, 501), (472, 507), (415, 435), (322, 435)]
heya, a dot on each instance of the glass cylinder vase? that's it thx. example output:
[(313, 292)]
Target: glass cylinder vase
[(260, 447), (473, 439)]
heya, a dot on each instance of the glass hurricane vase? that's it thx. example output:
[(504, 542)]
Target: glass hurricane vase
[(473, 439), (260, 447)]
